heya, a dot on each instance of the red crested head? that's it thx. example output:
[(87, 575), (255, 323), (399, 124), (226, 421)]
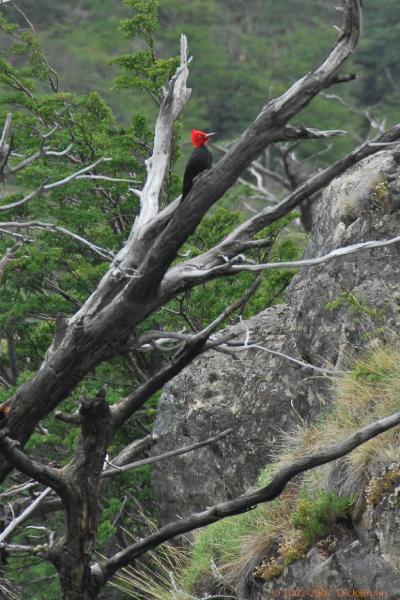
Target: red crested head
[(199, 138)]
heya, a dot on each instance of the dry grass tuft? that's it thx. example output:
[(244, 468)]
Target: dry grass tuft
[(154, 578), (370, 391)]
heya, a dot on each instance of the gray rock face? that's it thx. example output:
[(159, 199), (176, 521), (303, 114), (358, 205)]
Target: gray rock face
[(364, 566), (332, 312)]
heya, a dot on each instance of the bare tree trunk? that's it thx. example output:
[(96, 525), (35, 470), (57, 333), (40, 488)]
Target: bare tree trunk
[(73, 553)]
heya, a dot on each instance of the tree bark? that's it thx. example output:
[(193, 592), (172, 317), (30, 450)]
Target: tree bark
[(72, 554)]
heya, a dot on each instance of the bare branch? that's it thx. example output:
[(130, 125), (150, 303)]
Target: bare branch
[(103, 571), (352, 249), (133, 449), (106, 178), (238, 265), (191, 349), (309, 133), (76, 175), (9, 255), (17, 489), (174, 101), (126, 407), (153, 459), (43, 152), (300, 363), (25, 549), (24, 515), (46, 475), (6, 130), (46, 187), (256, 165), (180, 276), (10, 225), (70, 418), (343, 78)]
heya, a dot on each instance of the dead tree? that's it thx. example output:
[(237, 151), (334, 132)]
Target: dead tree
[(142, 278)]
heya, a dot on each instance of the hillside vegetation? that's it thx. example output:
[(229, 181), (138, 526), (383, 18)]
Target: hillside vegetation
[(244, 51)]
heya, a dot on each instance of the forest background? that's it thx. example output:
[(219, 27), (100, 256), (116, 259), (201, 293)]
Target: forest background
[(243, 52)]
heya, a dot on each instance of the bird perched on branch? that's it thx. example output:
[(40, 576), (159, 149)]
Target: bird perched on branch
[(4, 410), (200, 160)]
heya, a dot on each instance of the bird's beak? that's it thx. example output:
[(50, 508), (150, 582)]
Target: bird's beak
[(213, 133)]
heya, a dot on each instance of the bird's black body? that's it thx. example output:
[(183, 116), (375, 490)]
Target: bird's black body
[(200, 160)]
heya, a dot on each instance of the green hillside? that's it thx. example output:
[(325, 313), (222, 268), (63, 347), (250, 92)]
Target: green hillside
[(243, 52)]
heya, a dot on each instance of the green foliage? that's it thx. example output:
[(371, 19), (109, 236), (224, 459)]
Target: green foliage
[(53, 275), (317, 513), (356, 305), (373, 370), (107, 526), (144, 22), (145, 72), (39, 579)]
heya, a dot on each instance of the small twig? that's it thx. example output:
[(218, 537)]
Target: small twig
[(102, 252)]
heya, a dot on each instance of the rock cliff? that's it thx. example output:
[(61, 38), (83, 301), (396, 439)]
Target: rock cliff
[(332, 312), (363, 564)]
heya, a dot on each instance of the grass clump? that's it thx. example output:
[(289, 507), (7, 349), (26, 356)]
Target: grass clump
[(154, 578), (219, 544), (312, 518), (317, 514), (261, 543), (380, 195), (368, 392)]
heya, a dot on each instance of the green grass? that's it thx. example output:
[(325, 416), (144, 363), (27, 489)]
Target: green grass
[(316, 514), (219, 543)]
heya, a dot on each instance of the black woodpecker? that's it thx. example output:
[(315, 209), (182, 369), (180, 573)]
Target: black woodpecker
[(200, 160)]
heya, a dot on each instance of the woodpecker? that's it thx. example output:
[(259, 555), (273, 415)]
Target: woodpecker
[(200, 160), (4, 410)]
